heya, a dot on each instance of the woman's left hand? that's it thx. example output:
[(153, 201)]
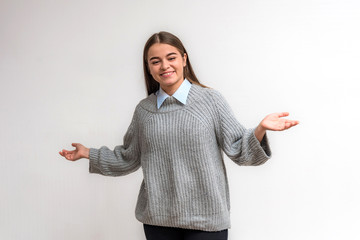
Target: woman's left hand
[(275, 122)]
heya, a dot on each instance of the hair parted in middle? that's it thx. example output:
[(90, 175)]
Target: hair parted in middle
[(166, 38)]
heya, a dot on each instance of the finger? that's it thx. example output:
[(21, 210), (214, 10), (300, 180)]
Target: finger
[(283, 114), (75, 144), (293, 122), (69, 157), (67, 151), (290, 124)]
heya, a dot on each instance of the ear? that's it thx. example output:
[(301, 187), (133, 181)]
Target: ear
[(184, 59)]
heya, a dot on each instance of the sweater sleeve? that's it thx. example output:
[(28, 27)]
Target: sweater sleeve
[(238, 143), (124, 159)]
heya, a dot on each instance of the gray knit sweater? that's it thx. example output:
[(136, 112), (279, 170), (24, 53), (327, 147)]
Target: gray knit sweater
[(179, 148)]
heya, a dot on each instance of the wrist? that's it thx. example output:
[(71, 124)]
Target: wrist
[(260, 132), (260, 129), (87, 153)]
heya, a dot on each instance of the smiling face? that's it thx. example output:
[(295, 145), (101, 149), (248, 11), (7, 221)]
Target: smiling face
[(166, 66)]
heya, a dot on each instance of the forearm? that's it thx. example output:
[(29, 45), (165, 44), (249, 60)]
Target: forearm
[(117, 162), (260, 132), (247, 150)]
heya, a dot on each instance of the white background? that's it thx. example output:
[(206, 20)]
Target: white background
[(71, 71)]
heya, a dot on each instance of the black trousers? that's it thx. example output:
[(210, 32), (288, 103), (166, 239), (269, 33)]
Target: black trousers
[(168, 233)]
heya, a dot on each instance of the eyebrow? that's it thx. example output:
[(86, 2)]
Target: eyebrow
[(159, 58)]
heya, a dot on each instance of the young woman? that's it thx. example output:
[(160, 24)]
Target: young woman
[(177, 135)]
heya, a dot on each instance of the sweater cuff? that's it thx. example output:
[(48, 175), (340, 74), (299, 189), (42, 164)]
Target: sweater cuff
[(94, 160), (263, 147)]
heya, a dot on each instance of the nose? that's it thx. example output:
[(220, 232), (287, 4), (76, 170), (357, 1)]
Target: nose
[(164, 65)]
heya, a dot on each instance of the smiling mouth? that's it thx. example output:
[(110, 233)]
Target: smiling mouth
[(166, 74)]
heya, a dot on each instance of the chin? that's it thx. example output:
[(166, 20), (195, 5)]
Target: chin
[(168, 82)]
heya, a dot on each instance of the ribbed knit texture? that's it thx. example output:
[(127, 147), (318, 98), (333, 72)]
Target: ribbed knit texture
[(179, 148)]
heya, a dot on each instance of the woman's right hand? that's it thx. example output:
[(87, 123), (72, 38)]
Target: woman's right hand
[(79, 152)]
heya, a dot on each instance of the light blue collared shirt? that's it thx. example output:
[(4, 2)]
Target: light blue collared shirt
[(181, 94)]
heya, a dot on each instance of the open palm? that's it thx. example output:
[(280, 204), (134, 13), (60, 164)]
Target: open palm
[(275, 122), (80, 152)]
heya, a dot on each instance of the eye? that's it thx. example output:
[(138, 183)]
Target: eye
[(155, 62), (172, 58)]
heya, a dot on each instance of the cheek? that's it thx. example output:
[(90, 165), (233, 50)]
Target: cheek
[(151, 70), (179, 66), (182, 66)]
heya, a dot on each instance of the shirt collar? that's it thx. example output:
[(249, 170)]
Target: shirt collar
[(181, 94)]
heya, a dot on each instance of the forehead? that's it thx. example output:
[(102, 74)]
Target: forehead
[(161, 50)]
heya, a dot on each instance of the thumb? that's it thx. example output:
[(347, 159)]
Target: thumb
[(76, 145), (283, 114)]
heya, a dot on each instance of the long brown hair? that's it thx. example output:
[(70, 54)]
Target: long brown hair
[(167, 38)]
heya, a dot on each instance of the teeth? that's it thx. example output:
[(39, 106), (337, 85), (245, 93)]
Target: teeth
[(166, 74)]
